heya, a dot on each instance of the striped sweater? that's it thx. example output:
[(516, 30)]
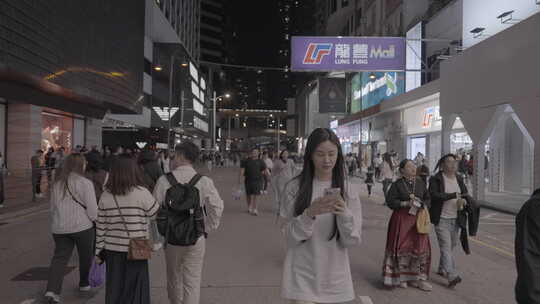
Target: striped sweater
[(137, 208)]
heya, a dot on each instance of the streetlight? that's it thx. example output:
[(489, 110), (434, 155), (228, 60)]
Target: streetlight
[(214, 101), (171, 70)]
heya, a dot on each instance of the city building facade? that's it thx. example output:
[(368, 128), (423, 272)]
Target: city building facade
[(59, 77)]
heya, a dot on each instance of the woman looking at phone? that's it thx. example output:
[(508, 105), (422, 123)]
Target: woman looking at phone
[(407, 259), (323, 217)]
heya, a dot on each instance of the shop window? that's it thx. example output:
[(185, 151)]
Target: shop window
[(57, 131)]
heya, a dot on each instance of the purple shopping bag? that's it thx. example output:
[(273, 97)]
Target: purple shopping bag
[(97, 274)]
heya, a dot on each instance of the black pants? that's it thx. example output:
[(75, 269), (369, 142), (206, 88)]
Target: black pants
[(128, 282), (387, 182), (36, 182), (369, 189), (64, 244)]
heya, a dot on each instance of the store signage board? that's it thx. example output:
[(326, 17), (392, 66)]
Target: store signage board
[(347, 54), (332, 95)]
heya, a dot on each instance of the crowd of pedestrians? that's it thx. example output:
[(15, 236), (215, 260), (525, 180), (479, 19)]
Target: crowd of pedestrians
[(107, 206), (118, 206)]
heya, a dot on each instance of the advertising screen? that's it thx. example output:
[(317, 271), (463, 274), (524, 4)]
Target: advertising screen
[(370, 89)]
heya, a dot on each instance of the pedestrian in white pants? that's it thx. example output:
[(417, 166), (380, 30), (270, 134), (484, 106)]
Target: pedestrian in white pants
[(185, 263)]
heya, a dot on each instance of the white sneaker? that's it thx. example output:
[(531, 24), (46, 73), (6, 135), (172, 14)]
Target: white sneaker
[(255, 212), (85, 288), (51, 297), (39, 195), (1, 206), (157, 246)]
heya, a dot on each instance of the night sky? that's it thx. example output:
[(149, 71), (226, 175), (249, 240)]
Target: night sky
[(259, 29)]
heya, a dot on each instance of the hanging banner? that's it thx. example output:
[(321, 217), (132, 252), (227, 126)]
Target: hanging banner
[(347, 54), (332, 96)]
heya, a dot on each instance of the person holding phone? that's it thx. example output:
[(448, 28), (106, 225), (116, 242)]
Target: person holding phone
[(407, 259), (323, 218)]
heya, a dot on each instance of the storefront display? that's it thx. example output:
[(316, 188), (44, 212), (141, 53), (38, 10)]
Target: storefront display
[(57, 131)]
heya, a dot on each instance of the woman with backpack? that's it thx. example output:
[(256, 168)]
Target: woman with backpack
[(126, 208), (73, 210), (323, 218)]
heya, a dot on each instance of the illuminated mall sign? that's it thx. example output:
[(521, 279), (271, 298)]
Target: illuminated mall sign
[(347, 54)]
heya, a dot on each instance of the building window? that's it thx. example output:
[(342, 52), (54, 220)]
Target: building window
[(344, 3), (332, 6)]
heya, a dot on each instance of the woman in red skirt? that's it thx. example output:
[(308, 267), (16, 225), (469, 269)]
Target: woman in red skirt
[(407, 259)]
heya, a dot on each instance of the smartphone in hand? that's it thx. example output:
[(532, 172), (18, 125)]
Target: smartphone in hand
[(332, 191)]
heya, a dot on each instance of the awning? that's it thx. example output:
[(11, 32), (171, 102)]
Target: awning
[(24, 88)]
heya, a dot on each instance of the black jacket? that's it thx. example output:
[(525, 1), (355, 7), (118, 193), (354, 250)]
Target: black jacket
[(468, 218), (400, 191), (527, 249)]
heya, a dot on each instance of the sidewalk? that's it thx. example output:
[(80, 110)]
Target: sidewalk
[(18, 197), (505, 202)]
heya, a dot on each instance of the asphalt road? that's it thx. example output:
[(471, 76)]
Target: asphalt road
[(244, 259)]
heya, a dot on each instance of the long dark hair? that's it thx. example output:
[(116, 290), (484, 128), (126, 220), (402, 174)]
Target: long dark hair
[(74, 163), (94, 161), (388, 159), (125, 175), (305, 178), (281, 155), (439, 166)]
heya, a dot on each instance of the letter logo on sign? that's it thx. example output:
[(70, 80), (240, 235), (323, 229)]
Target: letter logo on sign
[(316, 52), (379, 52)]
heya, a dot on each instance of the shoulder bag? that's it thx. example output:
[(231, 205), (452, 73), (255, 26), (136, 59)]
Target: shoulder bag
[(139, 248), (423, 220)]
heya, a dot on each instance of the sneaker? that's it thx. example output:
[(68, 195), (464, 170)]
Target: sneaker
[(1, 206), (51, 298), (422, 285), (85, 288), (454, 282), (403, 285), (255, 212), (441, 273), (39, 195), (157, 246)]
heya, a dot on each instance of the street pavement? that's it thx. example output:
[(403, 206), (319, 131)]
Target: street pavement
[(244, 258)]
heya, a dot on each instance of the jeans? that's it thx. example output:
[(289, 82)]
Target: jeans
[(447, 236), (64, 244), (184, 272)]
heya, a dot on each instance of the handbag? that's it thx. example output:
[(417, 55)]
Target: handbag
[(139, 248), (423, 221)]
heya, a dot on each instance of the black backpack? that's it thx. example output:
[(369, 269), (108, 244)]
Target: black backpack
[(181, 218)]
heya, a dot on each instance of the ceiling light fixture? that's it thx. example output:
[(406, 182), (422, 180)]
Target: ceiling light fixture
[(506, 18), (477, 31)]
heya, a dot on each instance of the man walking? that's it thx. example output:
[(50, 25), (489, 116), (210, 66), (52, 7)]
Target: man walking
[(184, 263), (37, 165), (527, 249), (252, 170)]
